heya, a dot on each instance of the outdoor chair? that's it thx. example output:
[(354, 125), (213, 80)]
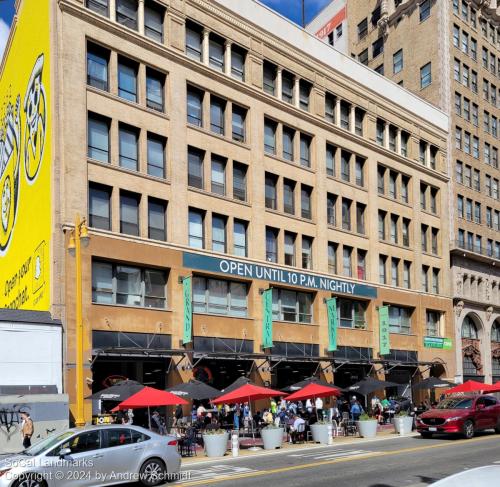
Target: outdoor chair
[(337, 430), (187, 445), (300, 434)]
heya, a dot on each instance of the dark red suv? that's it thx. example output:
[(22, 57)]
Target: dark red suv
[(461, 414)]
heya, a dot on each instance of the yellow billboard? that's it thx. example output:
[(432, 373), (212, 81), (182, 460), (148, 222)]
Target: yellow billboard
[(25, 162)]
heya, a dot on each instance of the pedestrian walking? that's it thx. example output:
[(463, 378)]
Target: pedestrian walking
[(27, 429), (237, 414), (319, 408)]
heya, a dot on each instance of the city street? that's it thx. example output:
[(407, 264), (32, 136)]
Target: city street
[(398, 462)]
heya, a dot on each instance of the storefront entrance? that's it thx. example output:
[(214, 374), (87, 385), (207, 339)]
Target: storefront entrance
[(286, 373), (221, 372)]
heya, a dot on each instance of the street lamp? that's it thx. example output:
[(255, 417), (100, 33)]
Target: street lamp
[(79, 236)]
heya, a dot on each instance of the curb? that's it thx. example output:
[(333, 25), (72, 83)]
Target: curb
[(193, 461)]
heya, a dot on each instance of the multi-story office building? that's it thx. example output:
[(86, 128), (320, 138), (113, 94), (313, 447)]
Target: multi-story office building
[(215, 140), (448, 53)]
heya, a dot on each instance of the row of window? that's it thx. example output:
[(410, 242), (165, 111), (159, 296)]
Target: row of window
[(474, 243), (353, 215), (468, 14), (100, 147), (219, 110), (471, 211), (393, 184), (203, 167), (470, 112), (129, 285), (98, 61), (466, 175), (340, 161), (469, 144)]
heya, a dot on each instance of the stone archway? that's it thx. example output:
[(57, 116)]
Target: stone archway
[(472, 362)]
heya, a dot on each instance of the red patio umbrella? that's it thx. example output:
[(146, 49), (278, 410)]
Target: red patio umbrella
[(248, 392), (494, 388), (469, 386), (151, 397), (314, 390)]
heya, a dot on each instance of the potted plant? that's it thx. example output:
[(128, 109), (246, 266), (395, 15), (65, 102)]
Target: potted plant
[(272, 437), (321, 431), (367, 426), (215, 442), (403, 423)]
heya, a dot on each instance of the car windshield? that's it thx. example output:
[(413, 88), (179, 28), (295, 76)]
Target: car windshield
[(47, 443), (455, 403)]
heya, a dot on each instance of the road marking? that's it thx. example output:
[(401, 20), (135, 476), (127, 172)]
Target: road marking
[(216, 471), (289, 468), (330, 454)]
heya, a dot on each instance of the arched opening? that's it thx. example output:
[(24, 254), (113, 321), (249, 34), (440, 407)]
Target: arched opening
[(471, 351), (495, 350)]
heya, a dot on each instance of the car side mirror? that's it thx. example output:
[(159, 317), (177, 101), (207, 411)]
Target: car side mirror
[(64, 452)]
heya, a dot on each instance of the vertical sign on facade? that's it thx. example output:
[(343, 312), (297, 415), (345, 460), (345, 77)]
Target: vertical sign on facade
[(383, 319), (188, 311), (331, 307), (267, 318)]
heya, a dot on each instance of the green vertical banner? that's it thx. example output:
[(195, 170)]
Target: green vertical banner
[(267, 318), (188, 311), (383, 319), (331, 307)]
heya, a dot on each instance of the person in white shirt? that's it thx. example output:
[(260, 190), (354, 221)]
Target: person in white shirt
[(309, 406), (319, 408), (294, 430)]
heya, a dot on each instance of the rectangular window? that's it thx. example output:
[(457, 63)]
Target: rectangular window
[(362, 28), (404, 143), (347, 261), (307, 243), (393, 184), (381, 225), (406, 232), (330, 102), (287, 81), (269, 136), (292, 306), (331, 202), (304, 94), (218, 182), (407, 274), (126, 13), (196, 228), (456, 35), (405, 194), (97, 66), (305, 150), (238, 56), (382, 276), (127, 285), (193, 40), (359, 117), (361, 264), (425, 278), (98, 6), (217, 115), (400, 320), (195, 106), (240, 247), (363, 57), (239, 123), (332, 257), (156, 156), (423, 196), (100, 206), (465, 42), (239, 181), (288, 196), (270, 191), (195, 168), (378, 47), (381, 179), (216, 52), (153, 21), (271, 244), (435, 281), (218, 297), (288, 143), (155, 83), (423, 237), (459, 172), (346, 214), (360, 171), (290, 248), (219, 234), (351, 314), (380, 132), (269, 78), (305, 202), (466, 113), (397, 61), (425, 75), (456, 70), (345, 165), (157, 227), (129, 147), (345, 110), (425, 10), (393, 133), (129, 213), (98, 138), (465, 75), (127, 79), (360, 218), (395, 272), (473, 83), (330, 159), (394, 229), (434, 200), (434, 241)]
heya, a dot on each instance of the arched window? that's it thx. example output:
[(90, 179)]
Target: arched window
[(469, 329), (495, 332)]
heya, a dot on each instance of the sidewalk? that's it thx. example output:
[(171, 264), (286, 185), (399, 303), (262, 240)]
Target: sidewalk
[(386, 434)]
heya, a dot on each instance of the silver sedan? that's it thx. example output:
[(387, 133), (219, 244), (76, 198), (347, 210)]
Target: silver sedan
[(94, 456)]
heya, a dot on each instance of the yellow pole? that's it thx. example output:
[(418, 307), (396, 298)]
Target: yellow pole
[(80, 415)]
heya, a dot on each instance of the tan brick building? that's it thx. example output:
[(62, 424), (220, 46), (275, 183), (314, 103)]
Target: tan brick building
[(447, 52), (219, 141)]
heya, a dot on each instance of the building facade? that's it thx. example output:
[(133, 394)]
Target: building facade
[(447, 52), (220, 143)]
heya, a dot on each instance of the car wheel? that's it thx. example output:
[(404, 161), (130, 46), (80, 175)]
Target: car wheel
[(426, 435), (153, 472), (468, 430), (30, 480)]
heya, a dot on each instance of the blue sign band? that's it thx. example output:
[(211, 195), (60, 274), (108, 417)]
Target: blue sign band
[(249, 270)]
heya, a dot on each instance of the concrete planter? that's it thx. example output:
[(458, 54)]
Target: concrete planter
[(272, 438), (403, 424), (320, 433), (367, 428), (216, 445)]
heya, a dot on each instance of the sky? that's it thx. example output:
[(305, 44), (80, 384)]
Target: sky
[(289, 8)]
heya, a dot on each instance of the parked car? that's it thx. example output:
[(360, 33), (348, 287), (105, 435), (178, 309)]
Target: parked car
[(461, 414), (94, 455), (477, 477)]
